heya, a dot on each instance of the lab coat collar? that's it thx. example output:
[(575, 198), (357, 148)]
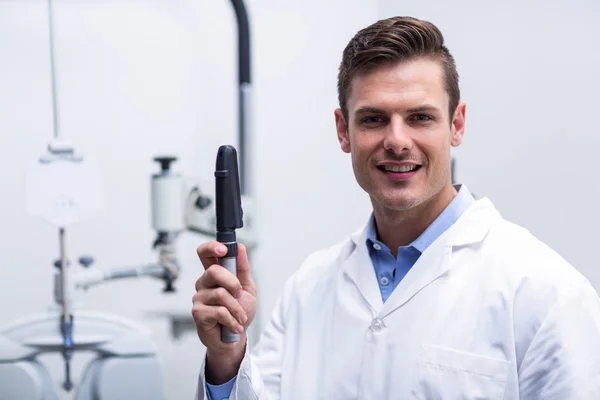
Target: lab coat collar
[(447, 218), (469, 229), (473, 225)]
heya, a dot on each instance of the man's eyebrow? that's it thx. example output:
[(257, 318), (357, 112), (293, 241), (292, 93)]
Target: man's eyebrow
[(418, 109), (369, 110), (424, 107)]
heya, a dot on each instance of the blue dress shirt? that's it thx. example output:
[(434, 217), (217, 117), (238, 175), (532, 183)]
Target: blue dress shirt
[(390, 270)]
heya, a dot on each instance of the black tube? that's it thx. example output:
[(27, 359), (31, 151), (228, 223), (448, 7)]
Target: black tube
[(243, 41), (244, 79)]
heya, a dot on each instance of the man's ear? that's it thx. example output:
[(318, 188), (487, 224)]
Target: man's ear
[(342, 131), (458, 124)]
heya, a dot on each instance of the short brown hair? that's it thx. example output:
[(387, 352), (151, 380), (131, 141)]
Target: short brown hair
[(394, 40)]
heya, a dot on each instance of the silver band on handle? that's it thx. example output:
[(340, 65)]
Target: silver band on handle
[(226, 335)]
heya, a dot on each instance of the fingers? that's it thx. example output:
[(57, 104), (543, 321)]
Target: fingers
[(207, 317), (217, 276), (221, 297), (210, 252), (243, 269)]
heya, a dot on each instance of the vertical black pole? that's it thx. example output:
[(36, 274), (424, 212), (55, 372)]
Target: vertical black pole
[(244, 92)]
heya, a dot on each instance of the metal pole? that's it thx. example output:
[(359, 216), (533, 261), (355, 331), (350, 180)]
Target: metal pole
[(67, 323), (64, 276), (244, 68), (53, 71)]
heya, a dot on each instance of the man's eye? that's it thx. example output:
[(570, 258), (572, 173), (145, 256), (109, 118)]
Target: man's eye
[(372, 120), (422, 117)]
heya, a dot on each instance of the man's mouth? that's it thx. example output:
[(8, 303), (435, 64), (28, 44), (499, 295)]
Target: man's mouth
[(399, 168), (399, 173)]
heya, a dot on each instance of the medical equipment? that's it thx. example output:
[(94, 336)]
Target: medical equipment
[(192, 196), (63, 188), (229, 215)]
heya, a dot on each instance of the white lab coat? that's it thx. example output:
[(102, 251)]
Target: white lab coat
[(487, 312)]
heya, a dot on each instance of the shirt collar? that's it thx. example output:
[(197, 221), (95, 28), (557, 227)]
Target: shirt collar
[(445, 220)]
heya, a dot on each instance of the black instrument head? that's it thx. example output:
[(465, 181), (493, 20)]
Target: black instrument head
[(227, 191)]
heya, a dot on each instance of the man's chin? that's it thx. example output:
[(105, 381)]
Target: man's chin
[(397, 202)]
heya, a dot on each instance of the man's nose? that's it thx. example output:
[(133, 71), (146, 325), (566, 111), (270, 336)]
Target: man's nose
[(397, 137)]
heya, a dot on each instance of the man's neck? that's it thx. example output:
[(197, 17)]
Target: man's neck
[(400, 228)]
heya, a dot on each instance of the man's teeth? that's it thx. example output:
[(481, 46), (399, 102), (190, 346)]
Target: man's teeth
[(399, 168)]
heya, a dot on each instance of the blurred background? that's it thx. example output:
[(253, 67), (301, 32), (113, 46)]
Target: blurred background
[(141, 78)]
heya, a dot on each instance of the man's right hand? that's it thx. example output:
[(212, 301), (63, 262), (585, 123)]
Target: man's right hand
[(222, 299)]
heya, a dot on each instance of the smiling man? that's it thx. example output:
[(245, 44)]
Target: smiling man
[(437, 296), (398, 120)]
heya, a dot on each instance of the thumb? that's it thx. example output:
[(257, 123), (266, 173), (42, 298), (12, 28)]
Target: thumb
[(243, 268)]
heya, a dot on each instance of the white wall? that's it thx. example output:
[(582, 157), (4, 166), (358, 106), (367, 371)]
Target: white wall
[(529, 77), (143, 78)]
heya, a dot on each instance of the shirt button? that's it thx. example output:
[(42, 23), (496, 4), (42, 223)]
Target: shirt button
[(384, 281), (376, 246), (377, 325)]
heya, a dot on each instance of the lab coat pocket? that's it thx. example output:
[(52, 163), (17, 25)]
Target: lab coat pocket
[(448, 374)]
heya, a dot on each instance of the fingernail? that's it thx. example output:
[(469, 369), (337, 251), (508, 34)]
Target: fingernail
[(240, 329), (244, 319), (221, 249)]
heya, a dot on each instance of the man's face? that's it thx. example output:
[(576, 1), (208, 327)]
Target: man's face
[(399, 133)]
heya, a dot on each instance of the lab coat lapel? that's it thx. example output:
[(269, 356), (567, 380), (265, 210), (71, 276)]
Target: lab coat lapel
[(432, 264), (435, 261), (359, 268)]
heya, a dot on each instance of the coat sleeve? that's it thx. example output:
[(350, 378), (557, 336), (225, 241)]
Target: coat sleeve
[(563, 360), (259, 376)]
